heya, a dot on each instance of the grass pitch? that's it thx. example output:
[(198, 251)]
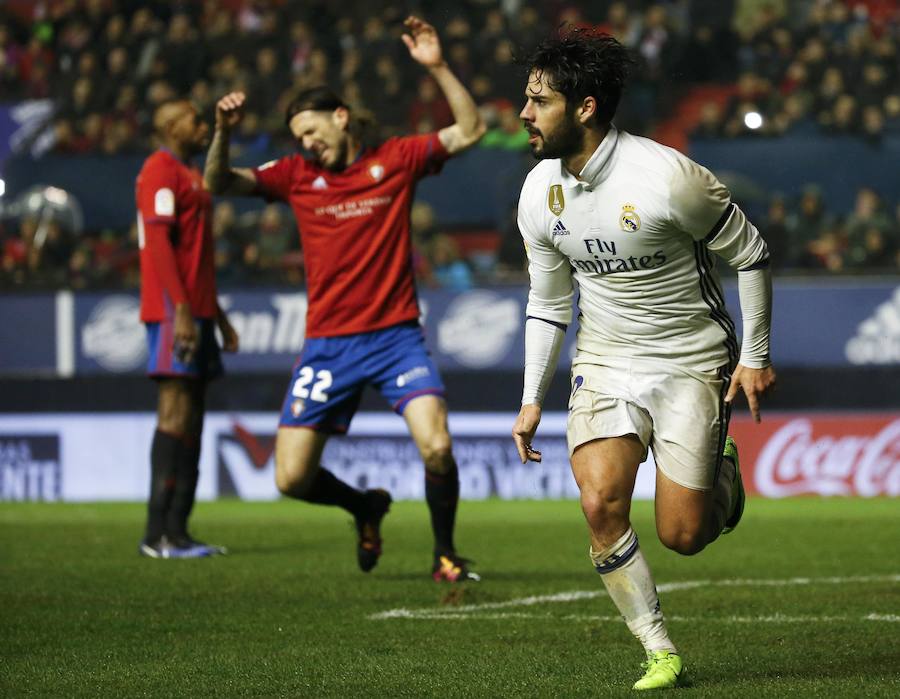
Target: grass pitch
[(287, 614)]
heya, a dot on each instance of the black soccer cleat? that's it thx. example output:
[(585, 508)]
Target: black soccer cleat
[(187, 541), (448, 567), (368, 527)]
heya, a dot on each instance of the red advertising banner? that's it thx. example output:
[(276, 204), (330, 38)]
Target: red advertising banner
[(820, 454)]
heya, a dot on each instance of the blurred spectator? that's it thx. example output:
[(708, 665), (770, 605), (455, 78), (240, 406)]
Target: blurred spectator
[(274, 239), (872, 124), (249, 138), (507, 79), (842, 118), (10, 53), (448, 267), (301, 45), (776, 233), (710, 125), (422, 229), (826, 250), (268, 81), (115, 77), (871, 239), (623, 25), (805, 227), (80, 267), (429, 111), (752, 17), (228, 242), (183, 53), (505, 129)]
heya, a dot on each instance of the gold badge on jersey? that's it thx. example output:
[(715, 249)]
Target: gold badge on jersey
[(555, 199), (629, 221)]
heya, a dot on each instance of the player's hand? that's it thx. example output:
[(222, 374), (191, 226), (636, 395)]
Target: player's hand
[(754, 382), (523, 432), (185, 340), (230, 110), (230, 341), (422, 42)]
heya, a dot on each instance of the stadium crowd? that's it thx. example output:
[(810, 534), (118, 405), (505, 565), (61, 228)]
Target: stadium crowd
[(811, 66)]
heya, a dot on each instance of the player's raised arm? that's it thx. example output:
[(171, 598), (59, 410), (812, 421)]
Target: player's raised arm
[(218, 175), (425, 48)]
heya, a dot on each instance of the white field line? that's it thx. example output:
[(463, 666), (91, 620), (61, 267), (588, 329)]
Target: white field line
[(769, 619), (465, 611)]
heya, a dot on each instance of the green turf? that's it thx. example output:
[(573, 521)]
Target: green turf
[(287, 614)]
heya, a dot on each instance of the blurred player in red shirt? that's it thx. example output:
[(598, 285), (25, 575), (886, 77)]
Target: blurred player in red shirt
[(352, 202), (179, 307)]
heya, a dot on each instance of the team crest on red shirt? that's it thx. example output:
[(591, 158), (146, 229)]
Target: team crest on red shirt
[(376, 171)]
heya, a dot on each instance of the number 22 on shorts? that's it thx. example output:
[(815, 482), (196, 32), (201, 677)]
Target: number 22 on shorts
[(317, 392)]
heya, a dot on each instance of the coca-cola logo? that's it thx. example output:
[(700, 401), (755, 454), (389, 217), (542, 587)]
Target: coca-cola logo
[(795, 462)]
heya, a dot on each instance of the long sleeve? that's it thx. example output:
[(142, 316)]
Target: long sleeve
[(549, 307)]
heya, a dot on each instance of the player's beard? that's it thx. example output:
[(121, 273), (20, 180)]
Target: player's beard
[(340, 160), (567, 139)]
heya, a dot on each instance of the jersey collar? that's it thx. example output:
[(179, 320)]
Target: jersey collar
[(598, 166), (169, 152)]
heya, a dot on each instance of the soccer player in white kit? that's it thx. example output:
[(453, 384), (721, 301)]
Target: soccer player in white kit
[(658, 363)]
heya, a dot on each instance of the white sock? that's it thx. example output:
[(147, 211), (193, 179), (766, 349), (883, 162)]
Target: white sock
[(630, 585)]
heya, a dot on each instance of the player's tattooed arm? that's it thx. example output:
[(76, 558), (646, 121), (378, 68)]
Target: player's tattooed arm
[(218, 175), (425, 48)]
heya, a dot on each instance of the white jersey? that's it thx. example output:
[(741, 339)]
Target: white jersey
[(635, 230)]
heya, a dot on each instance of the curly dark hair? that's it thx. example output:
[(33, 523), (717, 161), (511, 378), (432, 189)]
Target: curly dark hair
[(583, 63)]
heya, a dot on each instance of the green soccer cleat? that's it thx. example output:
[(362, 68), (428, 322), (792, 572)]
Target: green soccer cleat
[(737, 489), (664, 671)]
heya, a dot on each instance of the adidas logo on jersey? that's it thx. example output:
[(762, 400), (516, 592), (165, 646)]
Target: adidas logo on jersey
[(560, 229), (877, 339), (319, 183)]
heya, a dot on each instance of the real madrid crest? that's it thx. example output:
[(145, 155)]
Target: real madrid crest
[(555, 199), (376, 171), (629, 221)]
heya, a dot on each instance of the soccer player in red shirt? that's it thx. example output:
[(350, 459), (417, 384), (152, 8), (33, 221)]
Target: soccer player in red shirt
[(179, 308), (352, 203)]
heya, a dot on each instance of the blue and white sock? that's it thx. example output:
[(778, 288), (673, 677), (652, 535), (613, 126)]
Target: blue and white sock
[(630, 585)]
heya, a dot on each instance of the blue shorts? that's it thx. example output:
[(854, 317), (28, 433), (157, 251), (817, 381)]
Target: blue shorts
[(328, 379), (163, 362)]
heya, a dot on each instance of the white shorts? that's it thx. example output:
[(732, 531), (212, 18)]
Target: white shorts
[(678, 413)]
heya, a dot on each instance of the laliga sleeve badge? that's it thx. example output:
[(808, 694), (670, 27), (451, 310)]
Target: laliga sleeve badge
[(555, 199), (164, 202), (629, 221)]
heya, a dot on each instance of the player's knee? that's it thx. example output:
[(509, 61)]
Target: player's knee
[(175, 416), (173, 422), (437, 456), (604, 511), (682, 539), (284, 481), (291, 479)]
